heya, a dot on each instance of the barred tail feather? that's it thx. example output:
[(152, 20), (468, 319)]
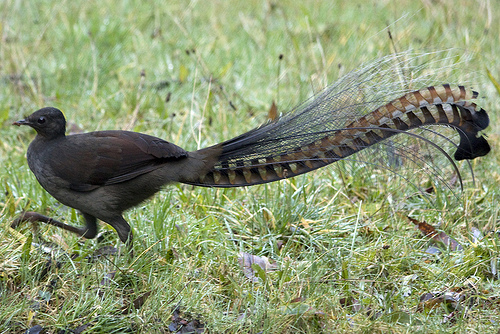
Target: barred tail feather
[(259, 156)]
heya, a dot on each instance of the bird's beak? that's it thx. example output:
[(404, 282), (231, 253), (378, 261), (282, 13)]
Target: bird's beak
[(21, 122)]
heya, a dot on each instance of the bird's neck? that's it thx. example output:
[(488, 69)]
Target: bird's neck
[(44, 137)]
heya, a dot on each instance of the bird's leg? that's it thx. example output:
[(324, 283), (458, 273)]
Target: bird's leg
[(123, 229), (89, 231)]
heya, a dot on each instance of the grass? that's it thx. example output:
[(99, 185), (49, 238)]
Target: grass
[(347, 258)]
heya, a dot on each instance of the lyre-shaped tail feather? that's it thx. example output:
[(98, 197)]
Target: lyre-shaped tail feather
[(280, 149)]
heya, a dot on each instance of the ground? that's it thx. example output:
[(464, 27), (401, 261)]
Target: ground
[(332, 251)]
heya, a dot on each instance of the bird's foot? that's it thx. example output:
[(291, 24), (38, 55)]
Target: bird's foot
[(29, 216)]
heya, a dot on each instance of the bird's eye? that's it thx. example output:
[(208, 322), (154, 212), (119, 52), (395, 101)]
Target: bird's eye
[(41, 120)]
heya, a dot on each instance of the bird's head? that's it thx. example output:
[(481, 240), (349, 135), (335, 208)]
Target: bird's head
[(48, 122)]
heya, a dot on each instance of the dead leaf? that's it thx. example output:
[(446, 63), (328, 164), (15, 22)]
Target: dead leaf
[(439, 237), (81, 329), (180, 325), (428, 301), (272, 114), (450, 317), (297, 300), (431, 300), (476, 235), (248, 262), (37, 329), (106, 281), (136, 304), (433, 250)]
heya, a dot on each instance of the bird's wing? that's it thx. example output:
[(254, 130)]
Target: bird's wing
[(110, 157)]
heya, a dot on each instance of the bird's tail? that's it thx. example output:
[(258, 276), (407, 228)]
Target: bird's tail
[(339, 123)]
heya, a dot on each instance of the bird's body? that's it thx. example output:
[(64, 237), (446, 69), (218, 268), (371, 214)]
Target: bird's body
[(105, 173)]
